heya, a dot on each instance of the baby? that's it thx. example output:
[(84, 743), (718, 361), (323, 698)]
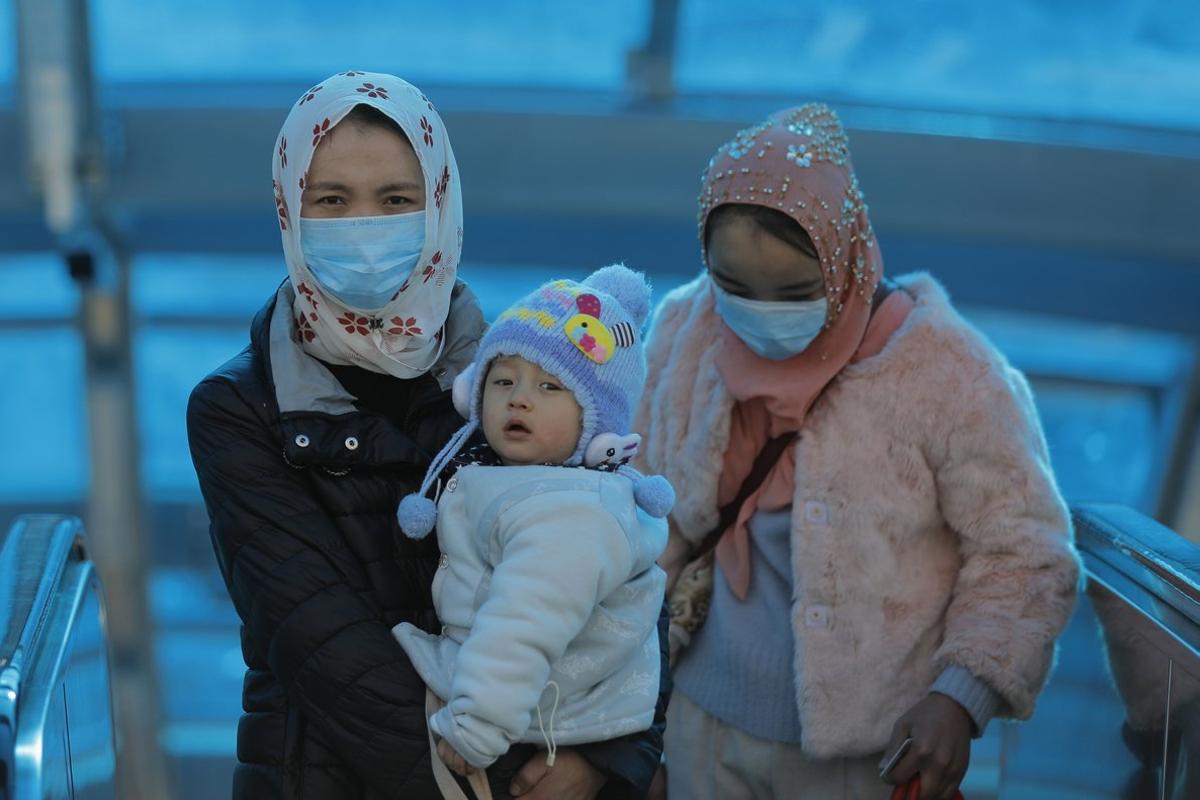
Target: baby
[(548, 588)]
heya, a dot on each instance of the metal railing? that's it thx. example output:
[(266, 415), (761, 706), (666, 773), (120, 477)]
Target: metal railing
[(56, 726), (1120, 718)]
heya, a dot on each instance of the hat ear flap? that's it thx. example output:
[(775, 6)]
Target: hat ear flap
[(462, 390)]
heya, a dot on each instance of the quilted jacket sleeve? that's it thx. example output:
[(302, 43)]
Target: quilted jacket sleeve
[(300, 594)]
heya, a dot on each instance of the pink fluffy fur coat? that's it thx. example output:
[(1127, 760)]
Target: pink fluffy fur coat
[(927, 528)]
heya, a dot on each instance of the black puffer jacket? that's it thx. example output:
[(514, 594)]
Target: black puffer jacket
[(301, 487)]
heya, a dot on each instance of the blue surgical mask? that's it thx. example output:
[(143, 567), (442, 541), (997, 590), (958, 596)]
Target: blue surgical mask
[(774, 330), (363, 261)]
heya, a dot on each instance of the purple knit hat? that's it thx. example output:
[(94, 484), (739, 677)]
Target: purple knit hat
[(589, 336)]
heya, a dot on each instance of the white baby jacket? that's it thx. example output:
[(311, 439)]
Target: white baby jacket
[(548, 574)]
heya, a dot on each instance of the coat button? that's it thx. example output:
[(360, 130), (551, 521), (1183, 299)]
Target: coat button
[(301, 440), (351, 443), (452, 484), (816, 512), (816, 617), (444, 561)]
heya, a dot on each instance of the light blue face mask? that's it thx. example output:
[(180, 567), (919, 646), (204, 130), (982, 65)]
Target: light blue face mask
[(362, 261), (774, 329)]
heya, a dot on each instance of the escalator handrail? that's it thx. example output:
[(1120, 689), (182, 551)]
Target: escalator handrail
[(33, 554), (1152, 567)]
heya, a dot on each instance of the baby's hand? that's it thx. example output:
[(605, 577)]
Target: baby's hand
[(453, 759)]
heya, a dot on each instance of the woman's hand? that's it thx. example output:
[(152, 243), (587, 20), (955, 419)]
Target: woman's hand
[(675, 557), (453, 759), (571, 778), (941, 746)]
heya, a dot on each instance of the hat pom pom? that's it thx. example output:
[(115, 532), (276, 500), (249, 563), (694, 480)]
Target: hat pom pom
[(627, 287), (654, 494), (417, 516)]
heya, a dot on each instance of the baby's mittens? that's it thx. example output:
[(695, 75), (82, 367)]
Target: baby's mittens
[(446, 725)]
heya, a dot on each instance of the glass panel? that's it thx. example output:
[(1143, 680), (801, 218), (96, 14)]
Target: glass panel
[(169, 363), (1158, 681), (1183, 742), (220, 294), (42, 416), (533, 42), (1102, 439), (54, 753), (1107, 60), (205, 285), (8, 51), (89, 713), (1099, 391), (36, 286)]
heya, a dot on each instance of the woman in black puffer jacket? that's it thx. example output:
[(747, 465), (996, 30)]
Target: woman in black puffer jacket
[(305, 442)]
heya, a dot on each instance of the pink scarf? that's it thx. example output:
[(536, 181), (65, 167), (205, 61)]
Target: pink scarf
[(769, 402), (797, 161)]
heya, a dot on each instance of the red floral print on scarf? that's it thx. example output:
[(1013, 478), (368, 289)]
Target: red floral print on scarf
[(439, 191), (310, 296), (280, 206), (428, 131), (304, 329), (430, 268), (355, 323), (319, 131), (310, 94), (371, 90), (405, 327), (403, 288)]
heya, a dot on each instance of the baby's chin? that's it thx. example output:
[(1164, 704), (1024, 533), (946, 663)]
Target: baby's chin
[(522, 454)]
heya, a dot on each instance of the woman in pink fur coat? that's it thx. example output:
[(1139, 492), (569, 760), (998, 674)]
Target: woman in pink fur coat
[(905, 567)]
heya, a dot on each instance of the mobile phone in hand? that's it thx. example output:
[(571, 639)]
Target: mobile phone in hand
[(895, 759)]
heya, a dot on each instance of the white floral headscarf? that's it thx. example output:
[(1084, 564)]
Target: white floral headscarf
[(404, 338)]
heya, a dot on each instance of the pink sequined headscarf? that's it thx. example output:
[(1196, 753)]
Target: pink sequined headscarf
[(796, 161)]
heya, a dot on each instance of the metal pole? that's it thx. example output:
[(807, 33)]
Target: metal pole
[(650, 69), (1166, 743), (64, 157)]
